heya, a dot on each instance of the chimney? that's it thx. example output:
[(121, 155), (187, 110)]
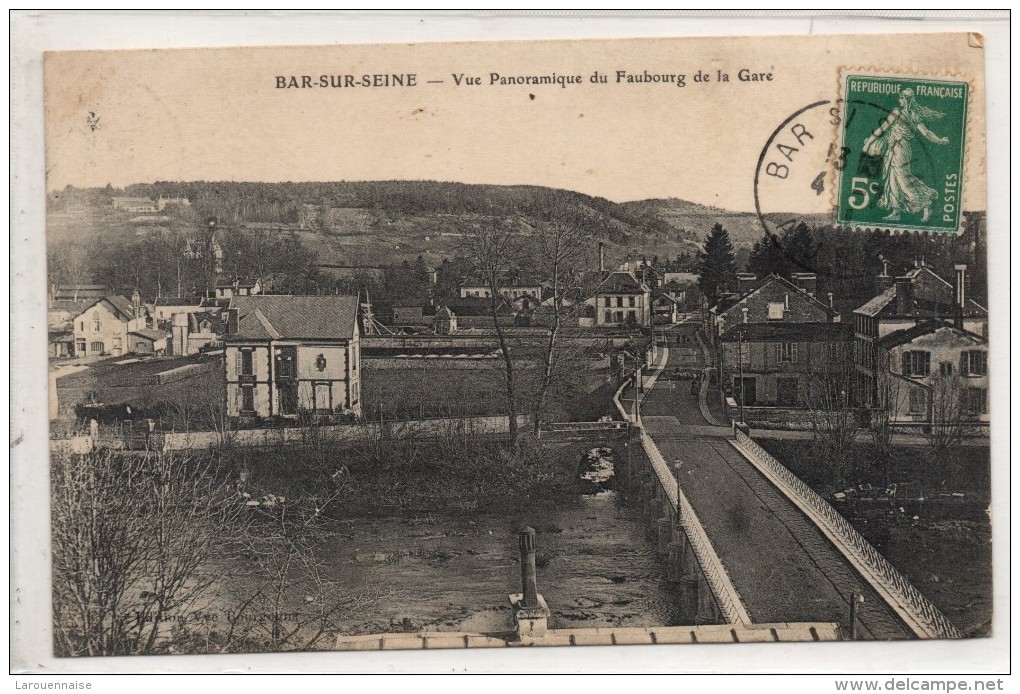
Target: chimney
[(961, 293), (806, 282), (884, 280), (786, 302), (745, 281), (831, 303), (602, 258), (232, 320), (904, 296), (743, 310)]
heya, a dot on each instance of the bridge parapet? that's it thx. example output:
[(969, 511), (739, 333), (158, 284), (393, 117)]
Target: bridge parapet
[(917, 612), (725, 593)]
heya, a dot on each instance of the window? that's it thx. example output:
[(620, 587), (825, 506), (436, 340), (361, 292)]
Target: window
[(619, 315), (247, 398), (140, 346), (916, 363), (631, 301), (743, 353), (247, 362), (81, 326), (976, 401), (619, 302), (95, 325), (974, 363), (609, 316), (79, 346), (786, 352), (918, 401), (777, 309), (354, 358), (96, 348), (946, 368)]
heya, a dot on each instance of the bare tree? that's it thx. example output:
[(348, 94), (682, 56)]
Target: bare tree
[(493, 249), (285, 599), (130, 537), (833, 419), (889, 396), (951, 422), (565, 251)]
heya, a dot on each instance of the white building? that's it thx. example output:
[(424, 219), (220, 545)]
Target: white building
[(285, 354)]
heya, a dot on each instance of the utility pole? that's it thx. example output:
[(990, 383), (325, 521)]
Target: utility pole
[(740, 370), (855, 598)]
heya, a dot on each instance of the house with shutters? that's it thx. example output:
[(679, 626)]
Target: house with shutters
[(111, 326), (932, 371), (917, 296), (289, 354), (776, 364), (622, 299), (773, 337)]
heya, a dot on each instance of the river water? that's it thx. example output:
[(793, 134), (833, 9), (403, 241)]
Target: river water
[(453, 571)]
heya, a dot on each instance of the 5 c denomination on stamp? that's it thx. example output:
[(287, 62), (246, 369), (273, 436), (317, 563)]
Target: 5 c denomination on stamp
[(904, 140)]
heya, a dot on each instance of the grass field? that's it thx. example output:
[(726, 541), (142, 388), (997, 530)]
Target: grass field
[(431, 388)]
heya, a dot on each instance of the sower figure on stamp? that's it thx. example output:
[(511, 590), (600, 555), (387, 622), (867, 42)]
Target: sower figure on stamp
[(903, 191)]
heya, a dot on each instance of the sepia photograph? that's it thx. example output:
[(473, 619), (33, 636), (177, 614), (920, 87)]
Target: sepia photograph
[(418, 346)]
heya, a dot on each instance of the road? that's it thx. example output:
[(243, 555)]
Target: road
[(782, 566)]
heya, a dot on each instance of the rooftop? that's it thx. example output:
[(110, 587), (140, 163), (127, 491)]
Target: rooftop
[(273, 316), (622, 282), (902, 337)]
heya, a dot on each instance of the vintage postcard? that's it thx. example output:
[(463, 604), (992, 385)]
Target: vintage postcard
[(500, 344)]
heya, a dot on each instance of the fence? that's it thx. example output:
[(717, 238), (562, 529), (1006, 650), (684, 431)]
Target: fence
[(342, 432), (719, 581), (923, 618), (726, 596)]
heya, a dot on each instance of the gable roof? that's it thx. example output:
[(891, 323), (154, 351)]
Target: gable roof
[(902, 337), (622, 282), (722, 307), (925, 306), (178, 301), (277, 316), (121, 307)]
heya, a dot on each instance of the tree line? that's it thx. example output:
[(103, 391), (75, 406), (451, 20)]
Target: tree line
[(847, 262)]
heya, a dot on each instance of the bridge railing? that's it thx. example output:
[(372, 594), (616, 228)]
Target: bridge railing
[(718, 579), (926, 620), (614, 425)]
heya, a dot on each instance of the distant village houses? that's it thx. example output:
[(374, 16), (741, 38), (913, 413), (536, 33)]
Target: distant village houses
[(128, 204)]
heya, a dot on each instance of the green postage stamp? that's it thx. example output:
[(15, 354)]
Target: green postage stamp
[(903, 141)]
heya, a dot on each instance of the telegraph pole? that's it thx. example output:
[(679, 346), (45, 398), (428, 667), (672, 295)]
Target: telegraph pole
[(740, 370)]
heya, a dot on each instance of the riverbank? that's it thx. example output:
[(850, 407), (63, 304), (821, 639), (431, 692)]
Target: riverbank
[(937, 533)]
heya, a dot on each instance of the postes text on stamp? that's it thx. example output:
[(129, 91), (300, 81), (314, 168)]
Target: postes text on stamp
[(904, 140)]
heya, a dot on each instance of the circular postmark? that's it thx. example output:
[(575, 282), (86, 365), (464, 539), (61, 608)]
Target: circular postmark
[(805, 162)]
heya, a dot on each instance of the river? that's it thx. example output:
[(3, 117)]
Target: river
[(453, 571)]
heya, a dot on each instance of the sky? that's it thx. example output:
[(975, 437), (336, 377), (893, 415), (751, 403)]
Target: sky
[(122, 117)]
